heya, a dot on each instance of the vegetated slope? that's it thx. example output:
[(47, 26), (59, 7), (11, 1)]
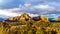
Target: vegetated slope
[(35, 27)]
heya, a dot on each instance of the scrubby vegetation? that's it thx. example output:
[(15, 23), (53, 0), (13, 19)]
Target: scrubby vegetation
[(29, 28)]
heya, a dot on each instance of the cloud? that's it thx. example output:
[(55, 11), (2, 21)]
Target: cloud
[(33, 15), (44, 7), (9, 12), (27, 4), (37, 9), (6, 13), (41, 9), (52, 15), (33, 7), (33, 11)]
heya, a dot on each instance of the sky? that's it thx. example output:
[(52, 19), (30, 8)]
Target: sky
[(48, 8)]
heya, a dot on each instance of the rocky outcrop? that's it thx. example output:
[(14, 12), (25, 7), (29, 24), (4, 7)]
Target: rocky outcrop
[(41, 18), (44, 19), (36, 18), (26, 18), (23, 18)]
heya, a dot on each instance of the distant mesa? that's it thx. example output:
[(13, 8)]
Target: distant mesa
[(26, 18), (57, 19)]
